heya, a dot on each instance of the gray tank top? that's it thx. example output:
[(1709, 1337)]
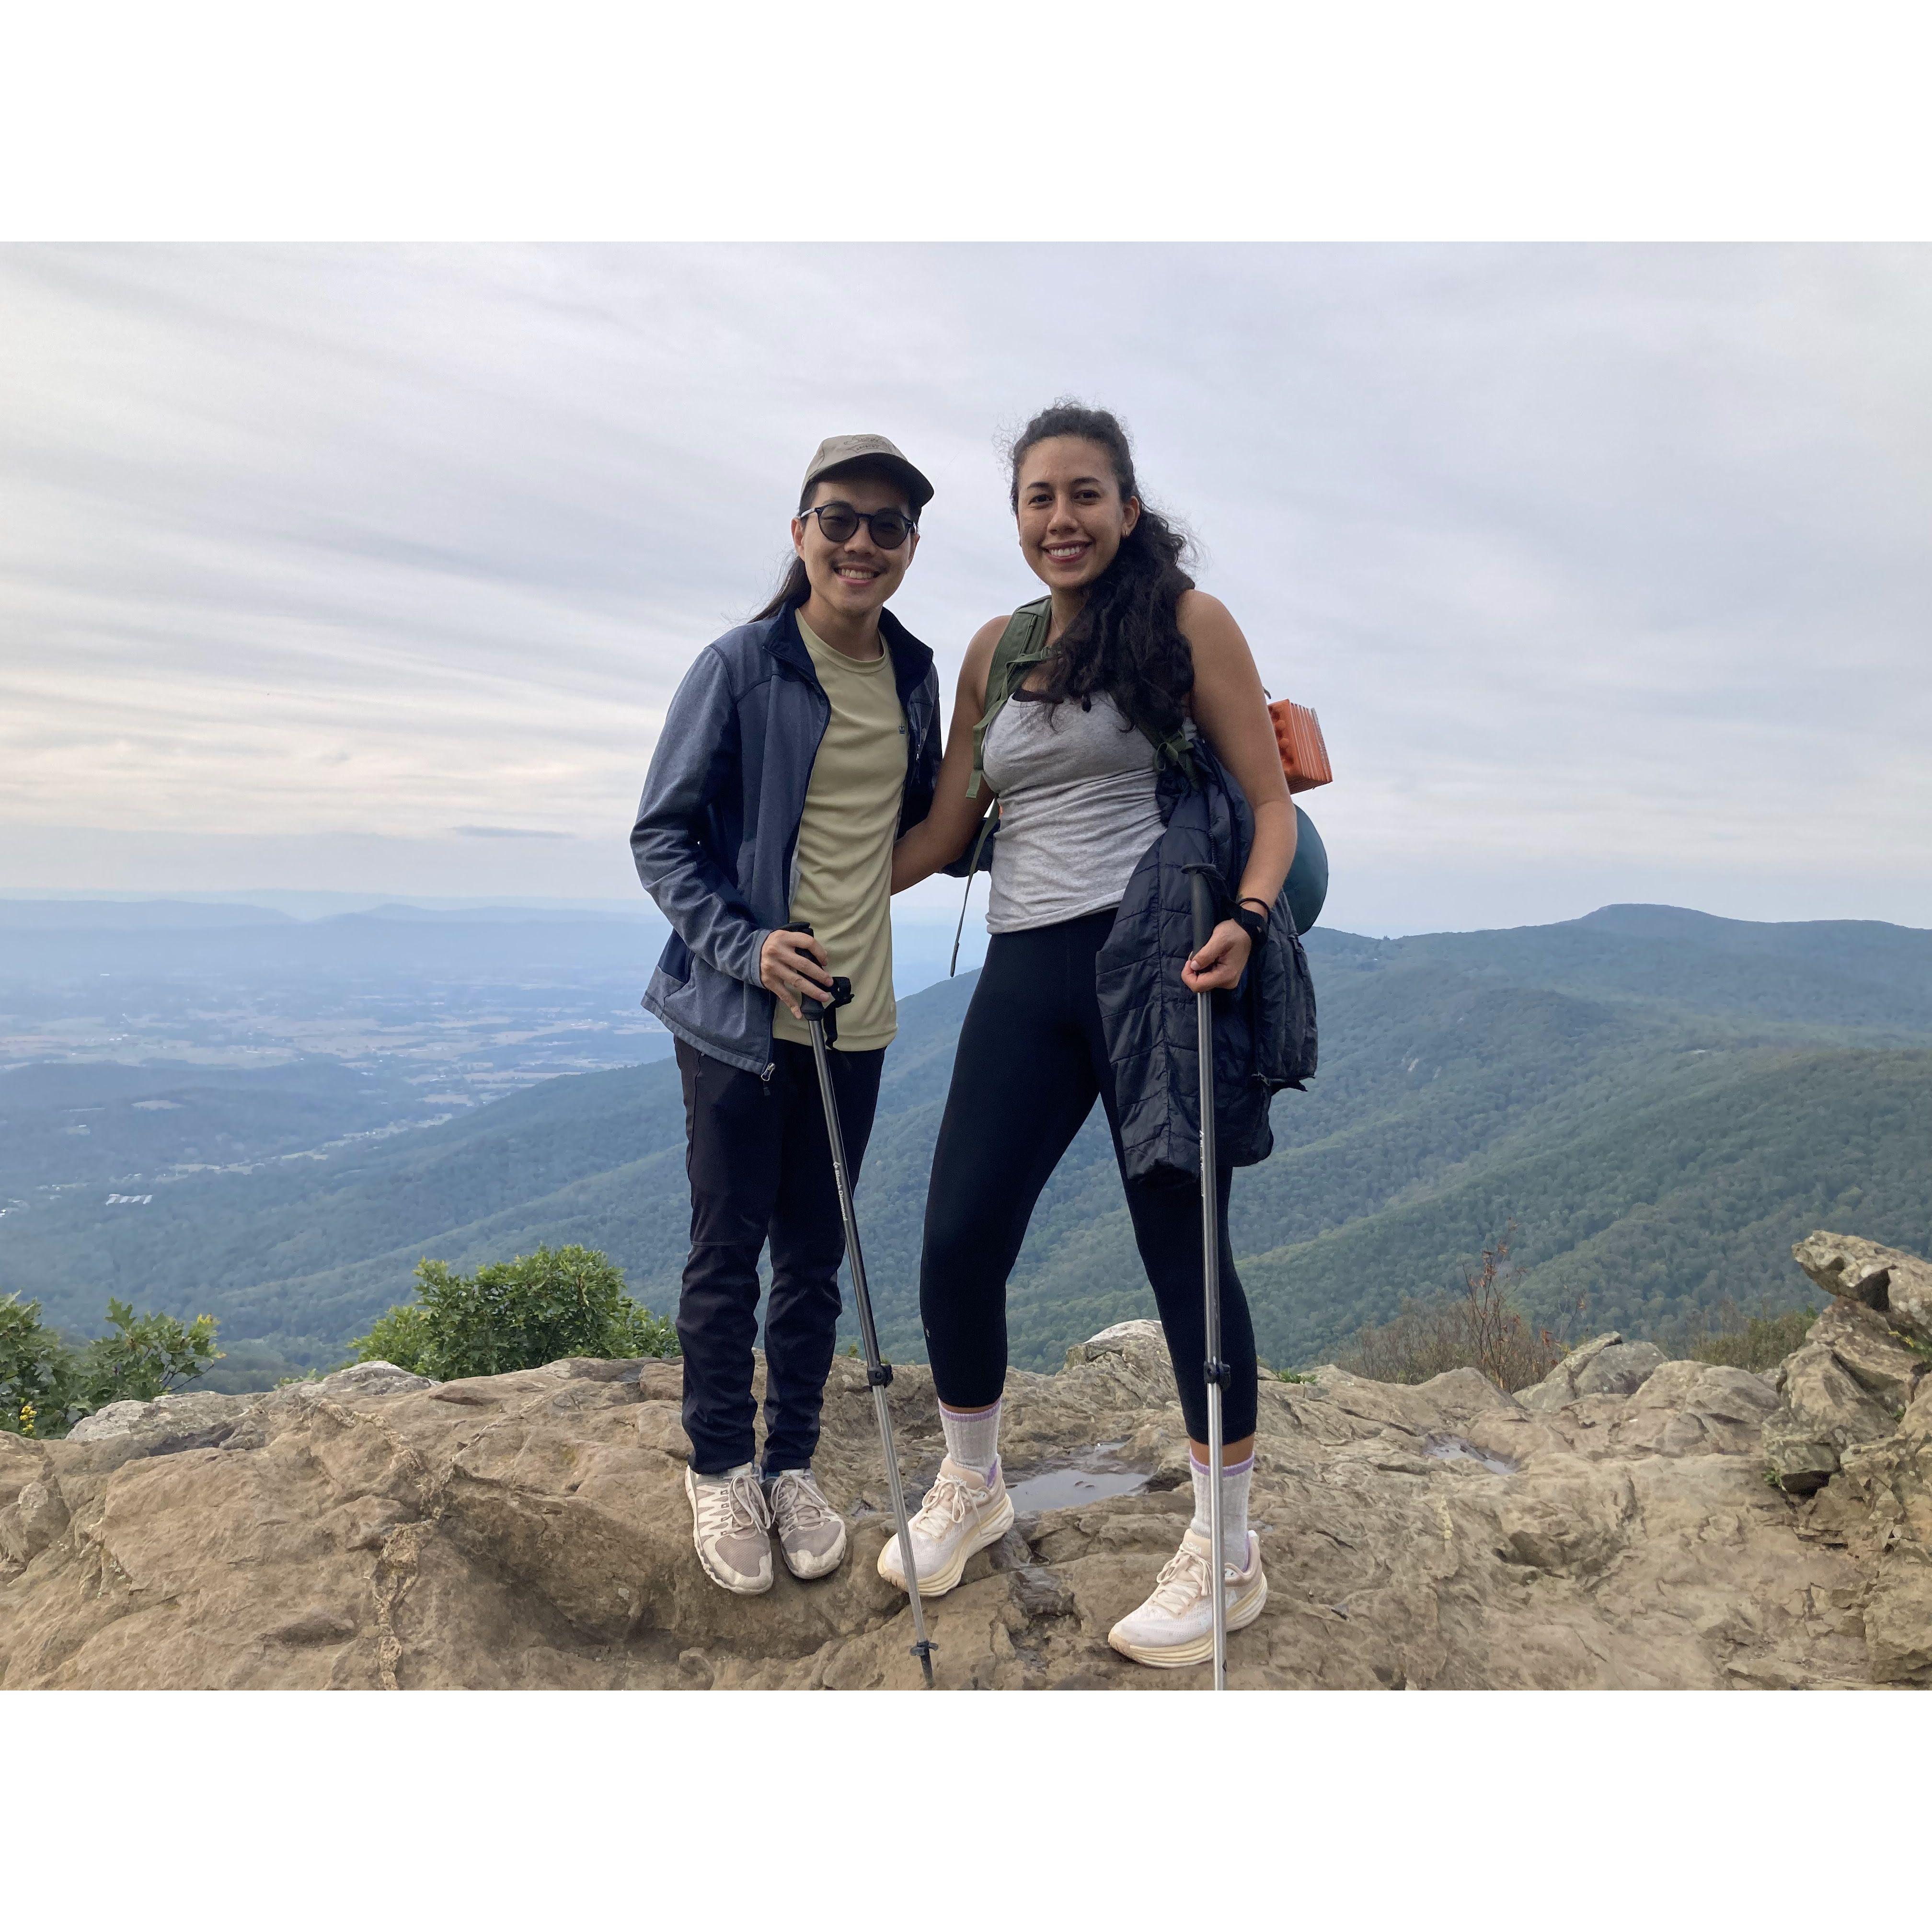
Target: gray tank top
[(1077, 809)]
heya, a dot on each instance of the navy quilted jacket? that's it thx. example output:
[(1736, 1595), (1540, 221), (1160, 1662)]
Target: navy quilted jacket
[(1263, 1030)]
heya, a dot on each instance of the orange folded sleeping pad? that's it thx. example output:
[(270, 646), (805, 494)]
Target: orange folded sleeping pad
[(1304, 758)]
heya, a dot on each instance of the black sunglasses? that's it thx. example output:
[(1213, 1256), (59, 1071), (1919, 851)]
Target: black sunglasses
[(840, 523)]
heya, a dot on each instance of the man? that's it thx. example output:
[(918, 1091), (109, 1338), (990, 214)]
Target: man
[(797, 748)]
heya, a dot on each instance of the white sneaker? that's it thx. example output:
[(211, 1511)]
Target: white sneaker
[(730, 1525), (811, 1533), (961, 1514), (1176, 1624)]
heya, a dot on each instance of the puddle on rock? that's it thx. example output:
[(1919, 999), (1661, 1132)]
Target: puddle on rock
[(1067, 1484), (1453, 1449), (1098, 1475)]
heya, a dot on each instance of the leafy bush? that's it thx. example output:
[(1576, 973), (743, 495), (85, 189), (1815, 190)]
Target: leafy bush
[(143, 1356), (512, 1315), (37, 1372), (1480, 1329), (401, 1336), (47, 1386)]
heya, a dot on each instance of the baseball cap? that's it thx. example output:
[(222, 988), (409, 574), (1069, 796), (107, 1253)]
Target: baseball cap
[(836, 451)]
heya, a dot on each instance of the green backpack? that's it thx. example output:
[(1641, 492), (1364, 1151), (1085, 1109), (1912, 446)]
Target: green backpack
[(1023, 645)]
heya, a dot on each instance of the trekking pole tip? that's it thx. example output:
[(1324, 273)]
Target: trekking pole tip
[(922, 1650)]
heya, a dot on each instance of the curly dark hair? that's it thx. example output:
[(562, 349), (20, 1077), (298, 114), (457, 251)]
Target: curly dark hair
[(1127, 640)]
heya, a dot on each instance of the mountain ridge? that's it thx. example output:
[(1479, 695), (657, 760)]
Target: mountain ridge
[(1657, 1115)]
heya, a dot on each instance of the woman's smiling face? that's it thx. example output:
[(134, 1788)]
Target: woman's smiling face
[(1071, 515)]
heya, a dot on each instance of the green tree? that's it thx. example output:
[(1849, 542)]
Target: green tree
[(143, 1356), (519, 1314), (47, 1386), (38, 1373)]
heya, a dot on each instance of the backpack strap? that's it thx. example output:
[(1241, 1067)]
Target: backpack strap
[(1022, 645), (1174, 750)]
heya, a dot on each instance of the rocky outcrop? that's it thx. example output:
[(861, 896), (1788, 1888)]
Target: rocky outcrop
[(1608, 1366), (374, 1529), (1849, 1383), (1878, 1511), (1887, 1280), (1861, 1364)]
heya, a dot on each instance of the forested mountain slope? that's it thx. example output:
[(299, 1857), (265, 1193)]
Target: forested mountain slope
[(1661, 1101)]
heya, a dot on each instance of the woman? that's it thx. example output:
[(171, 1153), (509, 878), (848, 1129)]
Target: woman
[(1134, 657)]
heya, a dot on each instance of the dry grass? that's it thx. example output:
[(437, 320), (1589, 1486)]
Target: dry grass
[(1482, 1328), (1729, 1337)]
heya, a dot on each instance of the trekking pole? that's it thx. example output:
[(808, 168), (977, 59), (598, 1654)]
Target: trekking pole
[(823, 1029), (1199, 878)]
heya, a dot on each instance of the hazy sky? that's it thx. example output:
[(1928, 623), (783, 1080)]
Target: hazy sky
[(373, 569)]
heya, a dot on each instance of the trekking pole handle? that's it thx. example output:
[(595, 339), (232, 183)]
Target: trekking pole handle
[(818, 1012), (1200, 879)]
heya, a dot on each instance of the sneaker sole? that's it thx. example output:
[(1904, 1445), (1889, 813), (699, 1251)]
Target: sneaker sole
[(1199, 1650), (947, 1578)]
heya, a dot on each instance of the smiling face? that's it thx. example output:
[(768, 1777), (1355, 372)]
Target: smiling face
[(853, 578), (1071, 516)]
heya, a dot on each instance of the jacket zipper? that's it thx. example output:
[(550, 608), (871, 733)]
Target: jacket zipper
[(812, 685)]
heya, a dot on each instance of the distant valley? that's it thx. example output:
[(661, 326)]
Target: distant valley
[(1659, 1101)]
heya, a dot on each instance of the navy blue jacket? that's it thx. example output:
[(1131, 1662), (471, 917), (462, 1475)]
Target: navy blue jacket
[(1264, 1037), (716, 836)]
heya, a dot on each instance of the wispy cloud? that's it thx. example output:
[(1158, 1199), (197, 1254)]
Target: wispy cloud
[(1603, 565)]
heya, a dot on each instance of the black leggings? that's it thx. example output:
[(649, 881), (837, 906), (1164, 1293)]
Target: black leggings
[(1032, 1058)]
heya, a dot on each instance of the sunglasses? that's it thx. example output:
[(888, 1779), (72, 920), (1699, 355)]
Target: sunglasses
[(840, 523)]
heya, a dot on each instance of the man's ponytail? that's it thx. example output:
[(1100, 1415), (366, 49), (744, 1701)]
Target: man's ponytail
[(793, 588)]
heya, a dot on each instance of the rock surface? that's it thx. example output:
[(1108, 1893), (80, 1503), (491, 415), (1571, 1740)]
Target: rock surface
[(375, 1530), (1861, 1364), (1897, 1285), (1879, 1512), (1608, 1366)]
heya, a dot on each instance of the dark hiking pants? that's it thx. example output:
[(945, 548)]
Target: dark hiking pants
[(760, 1168), (1032, 1060)]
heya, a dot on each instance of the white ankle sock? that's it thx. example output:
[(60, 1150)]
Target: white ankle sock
[(1234, 1480), (973, 1439)]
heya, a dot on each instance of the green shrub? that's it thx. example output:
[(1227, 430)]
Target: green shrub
[(143, 1356), (635, 1330), (47, 1386), (38, 1373), (401, 1336), (512, 1314)]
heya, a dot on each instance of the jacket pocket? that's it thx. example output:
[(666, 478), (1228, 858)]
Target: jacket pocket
[(1291, 1050)]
